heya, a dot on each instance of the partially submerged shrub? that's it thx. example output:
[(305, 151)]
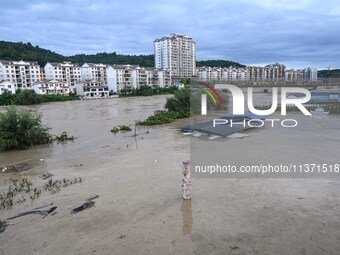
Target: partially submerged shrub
[(18, 192), (55, 186), (120, 128), (64, 137), (20, 129), (21, 191)]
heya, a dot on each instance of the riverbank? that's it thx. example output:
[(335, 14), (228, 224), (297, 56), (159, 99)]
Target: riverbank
[(140, 210)]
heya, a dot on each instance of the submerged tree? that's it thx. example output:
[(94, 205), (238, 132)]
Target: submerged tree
[(20, 129)]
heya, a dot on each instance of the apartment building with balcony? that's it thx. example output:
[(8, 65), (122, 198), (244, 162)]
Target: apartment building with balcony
[(274, 72), (7, 86), (250, 73), (177, 53), (23, 74), (222, 74), (310, 74), (133, 76), (92, 89), (91, 71), (66, 71), (161, 78), (292, 75), (52, 87)]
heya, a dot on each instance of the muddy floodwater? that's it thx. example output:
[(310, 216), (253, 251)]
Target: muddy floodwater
[(140, 210)]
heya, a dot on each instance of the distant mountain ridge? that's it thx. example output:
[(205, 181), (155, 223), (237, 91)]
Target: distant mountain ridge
[(28, 52)]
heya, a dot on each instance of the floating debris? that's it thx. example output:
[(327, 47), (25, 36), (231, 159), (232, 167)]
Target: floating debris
[(40, 212), (3, 226), (83, 207), (46, 175), (16, 168), (88, 204), (77, 165)]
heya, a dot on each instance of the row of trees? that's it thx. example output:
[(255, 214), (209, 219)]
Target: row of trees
[(146, 91), (29, 97)]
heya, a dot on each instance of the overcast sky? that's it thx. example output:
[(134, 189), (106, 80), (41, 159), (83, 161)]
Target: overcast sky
[(298, 33)]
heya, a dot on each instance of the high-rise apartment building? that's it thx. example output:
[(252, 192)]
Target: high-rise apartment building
[(23, 74), (310, 74), (67, 72), (91, 71), (176, 53)]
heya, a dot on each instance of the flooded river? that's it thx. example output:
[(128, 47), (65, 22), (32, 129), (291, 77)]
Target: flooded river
[(90, 121)]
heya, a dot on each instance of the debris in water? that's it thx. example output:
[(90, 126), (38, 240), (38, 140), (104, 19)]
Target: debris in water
[(3, 226), (92, 197), (88, 204), (16, 168), (83, 207), (77, 165), (46, 175), (40, 212)]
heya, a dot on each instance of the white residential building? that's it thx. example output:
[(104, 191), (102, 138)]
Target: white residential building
[(177, 53), (23, 74), (310, 74), (294, 75), (250, 73), (91, 71), (133, 76), (223, 74), (52, 87), (162, 78), (92, 89), (7, 86), (66, 71)]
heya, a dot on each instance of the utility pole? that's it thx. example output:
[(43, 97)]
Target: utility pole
[(329, 75)]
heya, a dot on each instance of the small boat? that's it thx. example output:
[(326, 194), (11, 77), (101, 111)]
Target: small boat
[(319, 111)]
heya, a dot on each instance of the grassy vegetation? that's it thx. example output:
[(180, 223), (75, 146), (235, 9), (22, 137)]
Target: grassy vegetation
[(176, 107), (120, 128), (147, 91), (29, 97), (20, 129), (21, 191), (63, 137)]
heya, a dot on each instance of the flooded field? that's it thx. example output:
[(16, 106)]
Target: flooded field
[(140, 209)]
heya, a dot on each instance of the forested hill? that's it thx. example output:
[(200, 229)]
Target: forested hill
[(28, 52), (220, 63), (334, 73)]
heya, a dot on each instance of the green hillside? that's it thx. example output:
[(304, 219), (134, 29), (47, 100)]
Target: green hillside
[(335, 73), (28, 52)]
